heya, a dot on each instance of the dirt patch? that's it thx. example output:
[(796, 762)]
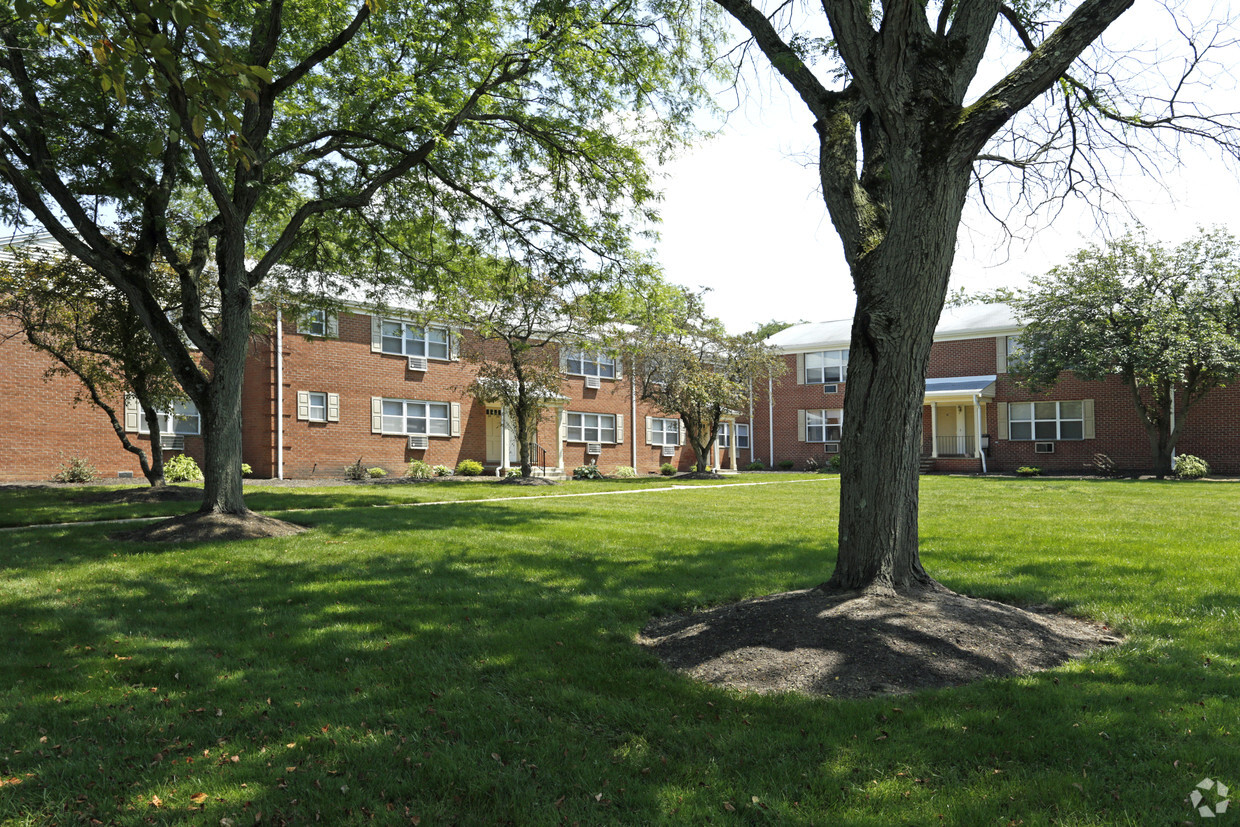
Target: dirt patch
[(854, 645), (527, 481), (162, 494), (700, 475), (201, 528)]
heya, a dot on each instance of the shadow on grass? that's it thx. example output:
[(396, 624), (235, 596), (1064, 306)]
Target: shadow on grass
[(474, 663)]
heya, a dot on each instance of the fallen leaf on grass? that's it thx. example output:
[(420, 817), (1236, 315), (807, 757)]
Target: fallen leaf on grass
[(198, 798)]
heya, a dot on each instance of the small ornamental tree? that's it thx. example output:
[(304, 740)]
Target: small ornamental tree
[(89, 329), (1166, 320), (688, 365)]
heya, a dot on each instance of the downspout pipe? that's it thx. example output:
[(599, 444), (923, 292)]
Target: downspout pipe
[(770, 418), (279, 424)]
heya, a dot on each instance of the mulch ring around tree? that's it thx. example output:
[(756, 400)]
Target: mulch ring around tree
[(858, 644), (145, 494), (528, 481), (208, 527), (699, 475)]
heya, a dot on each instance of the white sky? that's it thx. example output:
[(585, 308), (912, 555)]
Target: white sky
[(742, 215)]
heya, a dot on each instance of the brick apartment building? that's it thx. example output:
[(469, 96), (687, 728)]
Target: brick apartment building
[(976, 418), (326, 390)]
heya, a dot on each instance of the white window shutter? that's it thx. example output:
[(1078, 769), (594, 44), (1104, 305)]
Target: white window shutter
[(1001, 415), (376, 334), (303, 404), (1087, 413), (680, 432), (619, 367), (619, 429), (650, 430), (801, 435), (563, 359), (800, 368), (333, 407), (1001, 354), (456, 419), (132, 412), (333, 326), (376, 414), (454, 345), (563, 426)]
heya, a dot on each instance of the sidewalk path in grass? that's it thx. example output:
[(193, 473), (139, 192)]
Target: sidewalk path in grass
[(708, 487)]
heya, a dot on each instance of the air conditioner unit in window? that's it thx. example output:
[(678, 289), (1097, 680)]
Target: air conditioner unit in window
[(669, 450), (830, 388), (593, 382), (419, 441), (833, 447), (417, 363), (594, 448), (172, 442), (1044, 447)]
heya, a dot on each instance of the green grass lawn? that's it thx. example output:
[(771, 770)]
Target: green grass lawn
[(471, 663)]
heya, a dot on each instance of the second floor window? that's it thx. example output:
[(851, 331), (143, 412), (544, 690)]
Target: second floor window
[(585, 363), (407, 339), (826, 367)]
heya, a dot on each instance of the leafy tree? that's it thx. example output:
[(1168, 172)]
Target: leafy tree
[(89, 329), (963, 298), (1165, 320), (521, 320), (688, 365), (331, 136), (899, 144)]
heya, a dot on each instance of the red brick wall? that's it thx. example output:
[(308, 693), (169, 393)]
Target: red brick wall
[(966, 357), (41, 427)]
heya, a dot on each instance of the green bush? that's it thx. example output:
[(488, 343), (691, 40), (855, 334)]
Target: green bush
[(442, 471), (419, 470), (468, 468), (667, 469), (625, 472), (376, 473), (1028, 471), (181, 468), (512, 472), (77, 469), (587, 472), (786, 464), (246, 470), (1189, 467), (756, 465), (833, 464), (356, 471)]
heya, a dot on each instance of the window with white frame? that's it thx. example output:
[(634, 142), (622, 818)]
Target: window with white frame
[(317, 406), (664, 431), (826, 367), (742, 437), (723, 437), (823, 426), (1046, 420), (585, 363), (587, 427), (409, 416), (313, 323), (408, 339), (181, 418)]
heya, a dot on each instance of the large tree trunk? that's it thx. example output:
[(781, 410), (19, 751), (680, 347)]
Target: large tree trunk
[(221, 409), (901, 286)]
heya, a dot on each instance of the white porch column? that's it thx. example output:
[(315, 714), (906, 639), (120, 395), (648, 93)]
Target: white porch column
[(504, 459), (934, 429), (977, 430), (559, 438)]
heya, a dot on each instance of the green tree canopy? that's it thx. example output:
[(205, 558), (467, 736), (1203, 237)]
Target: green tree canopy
[(688, 365), (382, 142), (1165, 319)]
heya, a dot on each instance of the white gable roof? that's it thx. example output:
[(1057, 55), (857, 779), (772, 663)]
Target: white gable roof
[(972, 322)]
